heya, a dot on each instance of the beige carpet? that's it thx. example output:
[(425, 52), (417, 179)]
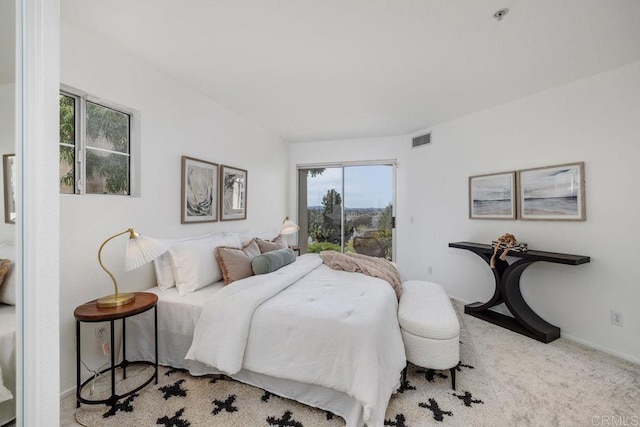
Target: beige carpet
[(557, 384), (505, 380)]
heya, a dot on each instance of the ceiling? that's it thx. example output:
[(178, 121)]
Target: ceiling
[(311, 70)]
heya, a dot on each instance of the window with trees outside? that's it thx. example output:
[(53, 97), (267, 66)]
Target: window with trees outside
[(95, 147), (347, 208)]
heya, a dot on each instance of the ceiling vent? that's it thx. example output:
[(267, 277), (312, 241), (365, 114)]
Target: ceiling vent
[(421, 140)]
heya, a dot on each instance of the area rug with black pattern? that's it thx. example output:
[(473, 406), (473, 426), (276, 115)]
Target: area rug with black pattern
[(181, 400)]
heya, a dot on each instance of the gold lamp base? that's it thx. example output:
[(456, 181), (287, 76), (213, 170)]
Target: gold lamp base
[(116, 300)]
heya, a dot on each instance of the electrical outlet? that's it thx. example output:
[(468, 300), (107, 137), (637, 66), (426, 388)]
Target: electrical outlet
[(429, 270), (101, 334), (617, 318)]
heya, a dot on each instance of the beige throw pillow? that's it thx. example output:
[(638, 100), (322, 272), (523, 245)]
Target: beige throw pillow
[(8, 287), (236, 263), (272, 245), (4, 269)]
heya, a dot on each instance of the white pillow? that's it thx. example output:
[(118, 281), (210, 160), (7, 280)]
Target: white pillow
[(164, 271), (162, 264), (194, 262), (8, 287)]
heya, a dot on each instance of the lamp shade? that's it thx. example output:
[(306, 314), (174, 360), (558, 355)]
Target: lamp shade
[(289, 227), (141, 250)]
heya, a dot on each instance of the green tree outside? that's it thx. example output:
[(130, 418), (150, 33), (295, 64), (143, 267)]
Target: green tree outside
[(105, 128)]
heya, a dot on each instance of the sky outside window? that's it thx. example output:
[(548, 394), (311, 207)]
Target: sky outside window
[(365, 186)]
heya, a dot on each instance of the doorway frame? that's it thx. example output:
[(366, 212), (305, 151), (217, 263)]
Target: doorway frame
[(37, 222)]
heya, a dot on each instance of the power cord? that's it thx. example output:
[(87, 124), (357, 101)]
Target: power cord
[(96, 374)]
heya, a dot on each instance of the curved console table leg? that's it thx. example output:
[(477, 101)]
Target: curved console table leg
[(537, 327), (501, 267), (507, 281)]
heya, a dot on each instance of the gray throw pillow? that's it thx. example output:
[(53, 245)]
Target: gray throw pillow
[(272, 261)]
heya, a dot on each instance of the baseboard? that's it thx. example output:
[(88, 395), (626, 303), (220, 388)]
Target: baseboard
[(460, 300), (582, 341), (590, 344), (68, 392)]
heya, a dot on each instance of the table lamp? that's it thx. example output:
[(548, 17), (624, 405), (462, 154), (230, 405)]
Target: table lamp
[(289, 227), (140, 250)]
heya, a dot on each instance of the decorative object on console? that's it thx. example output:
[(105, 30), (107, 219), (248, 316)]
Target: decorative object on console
[(492, 196), (552, 193), (516, 247), (507, 242), (233, 193), (140, 250), (9, 174), (199, 191)]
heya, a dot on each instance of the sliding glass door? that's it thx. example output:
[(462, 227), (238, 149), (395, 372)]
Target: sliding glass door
[(347, 207)]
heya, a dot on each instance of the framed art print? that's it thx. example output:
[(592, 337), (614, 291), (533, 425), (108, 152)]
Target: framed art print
[(554, 193), (9, 175), (492, 196), (199, 195), (233, 193)]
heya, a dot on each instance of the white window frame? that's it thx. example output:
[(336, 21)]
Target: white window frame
[(81, 144)]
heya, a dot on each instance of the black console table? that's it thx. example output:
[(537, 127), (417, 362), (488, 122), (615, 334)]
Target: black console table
[(507, 277)]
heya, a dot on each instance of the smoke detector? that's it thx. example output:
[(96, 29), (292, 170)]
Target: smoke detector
[(500, 13)]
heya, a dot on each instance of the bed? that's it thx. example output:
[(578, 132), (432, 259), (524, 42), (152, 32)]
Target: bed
[(326, 338), (7, 334), (7, 363)]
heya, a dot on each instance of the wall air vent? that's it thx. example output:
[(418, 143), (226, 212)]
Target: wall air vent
[(421, 140)]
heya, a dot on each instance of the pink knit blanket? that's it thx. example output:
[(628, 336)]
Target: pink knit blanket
[(371, 266)]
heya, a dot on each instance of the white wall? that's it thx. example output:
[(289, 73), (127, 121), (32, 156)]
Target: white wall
[(7, 98), (595, 120), (175, 121), (7, 41)]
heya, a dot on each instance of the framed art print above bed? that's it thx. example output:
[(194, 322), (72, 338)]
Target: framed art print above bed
[(199, 191), (492, 196), (233, 193)]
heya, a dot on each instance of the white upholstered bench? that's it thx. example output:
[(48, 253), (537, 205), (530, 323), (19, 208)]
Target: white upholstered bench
[(429, 326)]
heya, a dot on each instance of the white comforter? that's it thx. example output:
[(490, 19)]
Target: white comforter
[(311, 324), (7, 363)]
